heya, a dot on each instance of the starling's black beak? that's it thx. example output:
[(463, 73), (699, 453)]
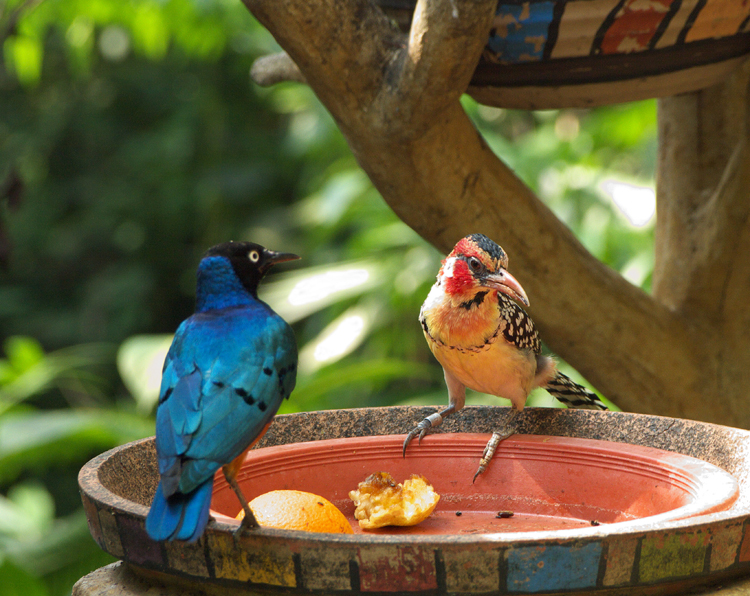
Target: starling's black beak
[(273, 257)]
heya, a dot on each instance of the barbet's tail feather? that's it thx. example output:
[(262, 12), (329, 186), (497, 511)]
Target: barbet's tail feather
[(179, 517), (572, 394)]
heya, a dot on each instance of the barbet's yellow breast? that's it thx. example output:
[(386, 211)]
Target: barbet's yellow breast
[(467, 339), (460, 322)]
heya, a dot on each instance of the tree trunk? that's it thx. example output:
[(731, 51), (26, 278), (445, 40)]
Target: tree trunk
[(702, 266), (396, 97)]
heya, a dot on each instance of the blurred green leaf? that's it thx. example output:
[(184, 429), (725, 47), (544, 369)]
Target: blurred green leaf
[(14, 520), (22, 353), (150, 33), (140, 360), (28, 510), (27, 371), (23, 55), (297, 295), (62, 544), (315, 392), (34, 440), (15, 581)]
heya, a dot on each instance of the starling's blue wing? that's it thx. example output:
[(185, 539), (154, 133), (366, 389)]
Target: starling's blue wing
[(241, 397), (225, 376)]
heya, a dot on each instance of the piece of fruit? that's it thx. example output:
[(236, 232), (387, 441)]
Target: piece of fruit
[(298, 510), (379, 501)]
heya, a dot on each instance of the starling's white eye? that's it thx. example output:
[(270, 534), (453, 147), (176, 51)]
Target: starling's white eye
[(254, 256)]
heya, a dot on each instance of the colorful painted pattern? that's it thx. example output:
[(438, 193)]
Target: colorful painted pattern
[(529, 31), (351, 566), (634, 26), (520, 32), (556, 567)]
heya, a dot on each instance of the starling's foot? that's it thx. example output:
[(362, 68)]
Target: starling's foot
[(489, 451), (432, 421), (248, 524)]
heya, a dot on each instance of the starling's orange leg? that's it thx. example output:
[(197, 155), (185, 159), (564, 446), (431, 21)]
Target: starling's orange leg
[(230, 473)]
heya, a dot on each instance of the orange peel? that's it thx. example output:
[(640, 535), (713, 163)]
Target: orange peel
[(298, 510)]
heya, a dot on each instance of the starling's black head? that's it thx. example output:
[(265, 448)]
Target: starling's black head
[(249, 261)]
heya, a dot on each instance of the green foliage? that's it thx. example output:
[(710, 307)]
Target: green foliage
[(43, 531), (201, 31), (60, 552), (140, 141), (27, 370), (18, 582), (36, 440)]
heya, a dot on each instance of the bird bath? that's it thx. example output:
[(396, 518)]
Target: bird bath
[(602, 501)]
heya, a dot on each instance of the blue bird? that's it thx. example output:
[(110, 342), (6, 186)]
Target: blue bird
[(229, 367)]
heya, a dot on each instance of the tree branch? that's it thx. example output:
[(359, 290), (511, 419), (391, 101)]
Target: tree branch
[(445, 42), (703, 235), (333, 44), (275, 68)]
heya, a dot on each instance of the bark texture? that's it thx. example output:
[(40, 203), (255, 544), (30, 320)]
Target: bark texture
[(685, 351)]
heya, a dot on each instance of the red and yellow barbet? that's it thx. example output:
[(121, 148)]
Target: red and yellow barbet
[(485, 341)]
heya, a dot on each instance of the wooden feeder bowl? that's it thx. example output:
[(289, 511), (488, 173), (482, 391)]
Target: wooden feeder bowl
[(547, 54), (601, 501)]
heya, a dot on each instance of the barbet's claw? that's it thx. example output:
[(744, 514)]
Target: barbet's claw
[(407, 440), (489, 451), (419, 430), (432, 421)]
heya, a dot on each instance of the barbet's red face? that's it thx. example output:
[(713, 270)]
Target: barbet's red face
[(477, 264)]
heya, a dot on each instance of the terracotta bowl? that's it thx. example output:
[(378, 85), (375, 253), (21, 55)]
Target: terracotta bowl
[(577, 53), (548, 483), (670, 497)]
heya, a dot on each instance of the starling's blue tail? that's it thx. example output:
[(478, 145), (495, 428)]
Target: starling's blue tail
[(181, 517)]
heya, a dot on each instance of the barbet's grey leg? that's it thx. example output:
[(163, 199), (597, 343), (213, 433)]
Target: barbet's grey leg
[(456, 399), (491, 447)]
